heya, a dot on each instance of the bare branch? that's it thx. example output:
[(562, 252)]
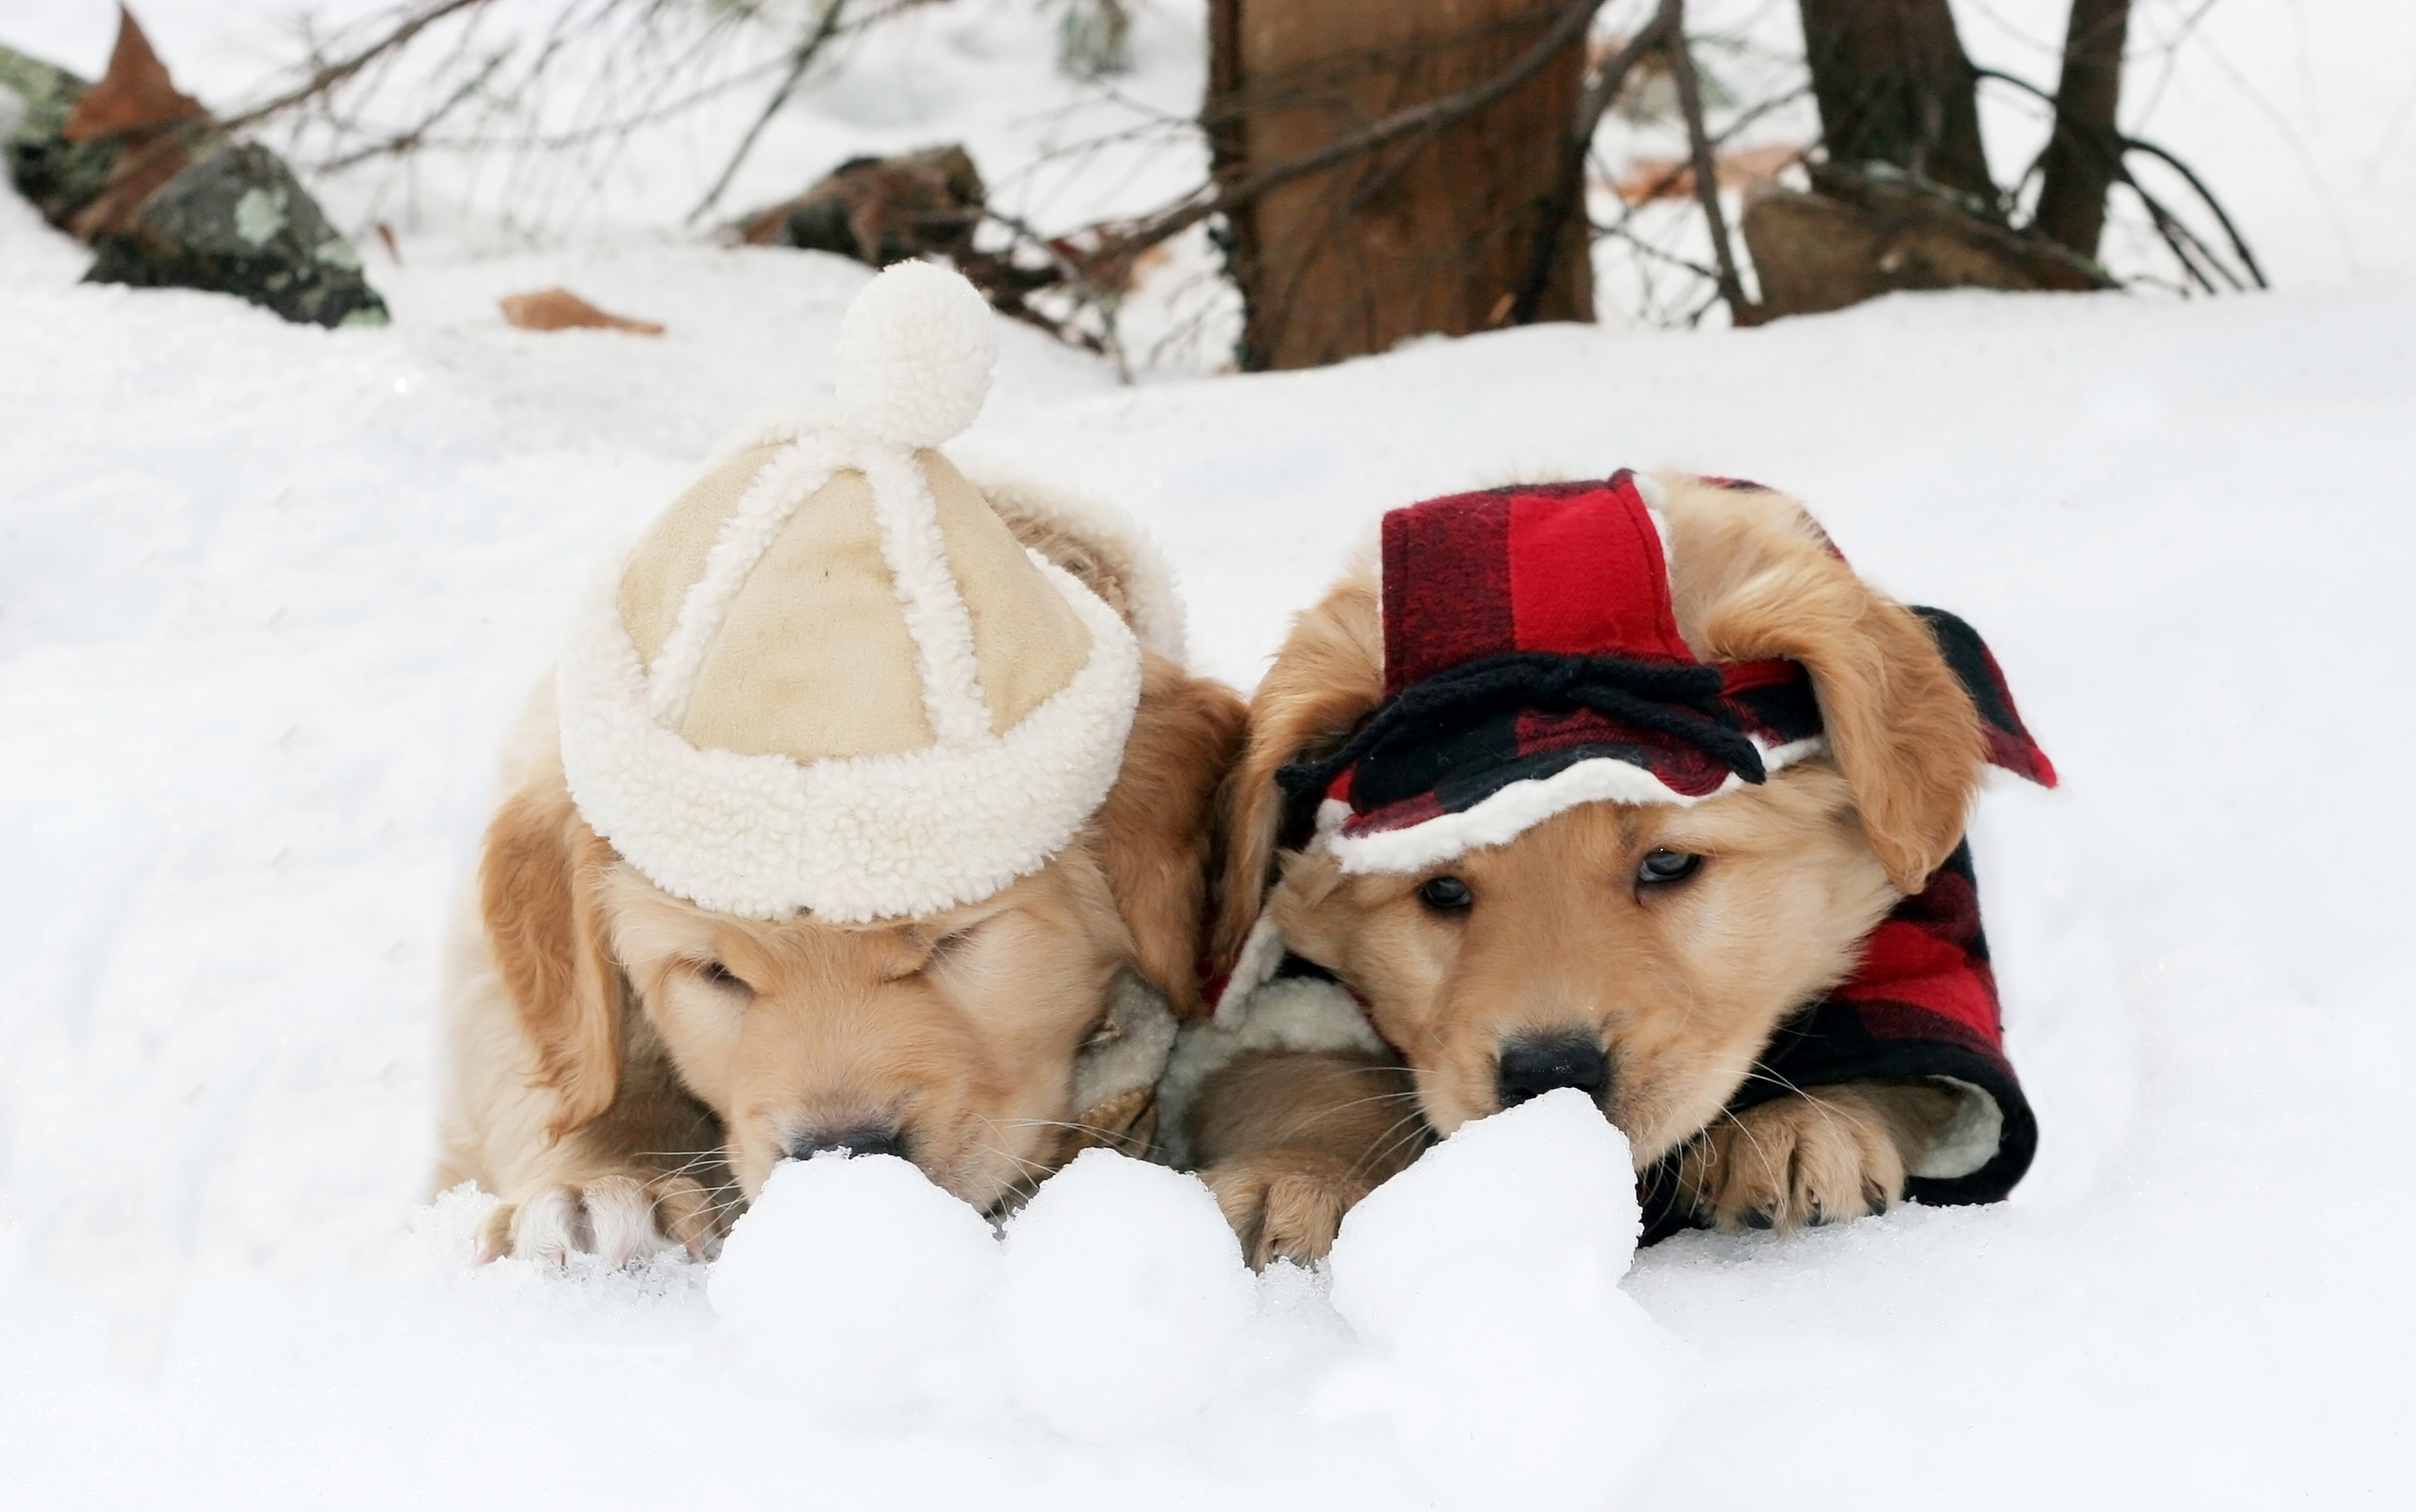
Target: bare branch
[(2169, 227), (2206, 197), (333, 74), (1707, 177), (825, 29), (1568, 188)]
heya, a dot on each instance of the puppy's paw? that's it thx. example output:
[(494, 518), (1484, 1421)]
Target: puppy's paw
[(620, 1219), (1285, 1204), (1799, 1161)]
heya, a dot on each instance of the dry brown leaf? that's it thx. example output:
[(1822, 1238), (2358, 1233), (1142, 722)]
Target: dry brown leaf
[(135, 95), (136, 103), (559, 309), (1673, 178)]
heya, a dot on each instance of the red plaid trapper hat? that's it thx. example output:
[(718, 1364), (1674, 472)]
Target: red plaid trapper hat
[(1533, 663)]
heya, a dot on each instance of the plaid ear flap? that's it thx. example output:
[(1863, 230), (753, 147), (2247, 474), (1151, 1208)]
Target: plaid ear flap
[(2010, 745)]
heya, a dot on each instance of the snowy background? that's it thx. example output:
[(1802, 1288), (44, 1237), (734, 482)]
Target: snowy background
[(270, 596)]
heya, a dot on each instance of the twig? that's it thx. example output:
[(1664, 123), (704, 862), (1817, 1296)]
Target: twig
[(2177, 240), (1064, 270), (1646, 248), (1707, 180), (1569, 185), (825, 29), (332, 74), (415, 137), (2206, 197), (2168, 226)]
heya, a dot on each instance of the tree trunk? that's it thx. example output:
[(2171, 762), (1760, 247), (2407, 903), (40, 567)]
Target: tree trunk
[(2081, 159), (1894, 86), (1433, 234)]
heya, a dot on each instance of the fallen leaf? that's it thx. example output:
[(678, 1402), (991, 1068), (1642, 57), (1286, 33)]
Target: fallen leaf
[(1673, 178), (138, 105), (559, 309), (135, 95)]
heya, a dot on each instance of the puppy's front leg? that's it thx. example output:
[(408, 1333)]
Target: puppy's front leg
[(646, 1175), (1289, 1142), (620, 1215), (1812, 1157)]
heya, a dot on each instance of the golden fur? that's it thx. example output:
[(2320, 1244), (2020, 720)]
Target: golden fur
[(625, 1067), (1683, 983)]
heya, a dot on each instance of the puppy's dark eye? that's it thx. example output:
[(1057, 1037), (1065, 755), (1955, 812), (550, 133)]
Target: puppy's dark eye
[(1445, 895), (1667, 866), (721, 976)]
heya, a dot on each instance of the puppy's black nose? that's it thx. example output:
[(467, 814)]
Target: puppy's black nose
[(1534, 1065), (880, 1139)]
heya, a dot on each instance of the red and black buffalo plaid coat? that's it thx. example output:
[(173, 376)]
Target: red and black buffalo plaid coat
[(1533, 663)]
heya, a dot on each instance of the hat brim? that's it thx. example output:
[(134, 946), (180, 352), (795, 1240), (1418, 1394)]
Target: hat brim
[(852, 839), (1494, 804)]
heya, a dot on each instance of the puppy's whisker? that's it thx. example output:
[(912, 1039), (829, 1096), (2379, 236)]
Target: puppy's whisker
[(1408, 1130)]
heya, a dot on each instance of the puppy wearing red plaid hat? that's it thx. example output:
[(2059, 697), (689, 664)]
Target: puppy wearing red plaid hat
[(1631, 786)]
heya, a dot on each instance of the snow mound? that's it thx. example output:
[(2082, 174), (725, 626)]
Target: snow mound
[(1515, 1369), (857, 1280), (1126, 1295), (858, 1285)]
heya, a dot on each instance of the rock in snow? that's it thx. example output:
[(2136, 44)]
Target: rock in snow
[(165, 200), (238, 222)]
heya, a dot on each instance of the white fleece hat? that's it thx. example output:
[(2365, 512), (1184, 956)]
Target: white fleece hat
[(829, 679)]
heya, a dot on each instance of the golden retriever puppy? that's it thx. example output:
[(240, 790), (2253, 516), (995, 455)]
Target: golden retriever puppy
[(870, 809), (1632, 787)]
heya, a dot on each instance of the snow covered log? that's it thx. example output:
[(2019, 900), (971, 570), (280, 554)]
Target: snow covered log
[(1859, 236), (881, 210)]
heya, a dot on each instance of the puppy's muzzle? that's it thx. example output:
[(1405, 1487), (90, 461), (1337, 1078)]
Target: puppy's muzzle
[(882, 1139), (1533, 1065)]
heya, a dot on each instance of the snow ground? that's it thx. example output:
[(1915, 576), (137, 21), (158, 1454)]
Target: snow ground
[(270, 596)]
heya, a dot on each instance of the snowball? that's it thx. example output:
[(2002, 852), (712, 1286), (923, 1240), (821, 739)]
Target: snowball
[(1513, 1368), (1126, 1292), (858, 1281), (1549, 1178), (914, 355)]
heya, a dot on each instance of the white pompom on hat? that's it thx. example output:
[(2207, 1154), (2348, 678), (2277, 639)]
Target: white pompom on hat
[(829, 679), (914, 355)]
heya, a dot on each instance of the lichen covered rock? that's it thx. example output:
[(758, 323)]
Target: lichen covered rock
[(56, 176), (238, 222), (140, 171)]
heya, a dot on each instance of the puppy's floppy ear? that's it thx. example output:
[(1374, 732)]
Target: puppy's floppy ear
[(1157, 829), (537, 897), (1753, 576), (1329, 674)]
